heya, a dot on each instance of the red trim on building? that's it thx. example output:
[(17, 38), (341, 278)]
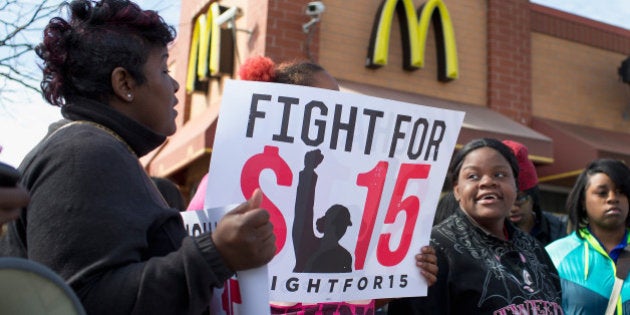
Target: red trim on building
[(578, 29)]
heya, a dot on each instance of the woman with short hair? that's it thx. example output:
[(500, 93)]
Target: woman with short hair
[(587, 259)]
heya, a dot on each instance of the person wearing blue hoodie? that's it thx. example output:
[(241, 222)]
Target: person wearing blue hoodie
[(587, 259)]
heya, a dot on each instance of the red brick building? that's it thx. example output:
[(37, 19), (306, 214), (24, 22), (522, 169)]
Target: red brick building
[(525, 72)]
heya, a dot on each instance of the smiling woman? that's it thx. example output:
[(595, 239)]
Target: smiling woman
[(479, 245)]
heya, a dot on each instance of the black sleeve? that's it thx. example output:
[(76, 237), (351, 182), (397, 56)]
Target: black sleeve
[(96, 220), (557, 228)]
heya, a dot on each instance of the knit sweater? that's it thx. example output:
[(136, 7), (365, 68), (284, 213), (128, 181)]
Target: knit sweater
[(96, 219)]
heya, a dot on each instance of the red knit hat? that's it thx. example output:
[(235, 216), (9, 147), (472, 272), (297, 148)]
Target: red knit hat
[(527, 177)]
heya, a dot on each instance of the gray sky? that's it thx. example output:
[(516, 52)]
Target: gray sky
[(25, 121), (615, 12)]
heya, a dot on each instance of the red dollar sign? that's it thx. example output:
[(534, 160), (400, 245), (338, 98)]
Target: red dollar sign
[(250, 180)]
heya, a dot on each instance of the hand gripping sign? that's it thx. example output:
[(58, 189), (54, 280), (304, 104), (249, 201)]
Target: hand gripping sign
[(351, 183)]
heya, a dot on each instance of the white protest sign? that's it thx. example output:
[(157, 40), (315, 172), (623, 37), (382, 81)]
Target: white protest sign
[(249, 295), (351, 183)]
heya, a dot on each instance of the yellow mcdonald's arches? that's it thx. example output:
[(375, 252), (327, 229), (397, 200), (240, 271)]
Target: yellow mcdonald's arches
[(205, 46), (414, 32), (379, 44), (444, 35), (194, 49), (215, 40)]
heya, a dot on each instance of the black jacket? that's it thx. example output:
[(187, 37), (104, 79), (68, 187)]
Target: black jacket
[(97, 219), (549, 228), (481, 274)]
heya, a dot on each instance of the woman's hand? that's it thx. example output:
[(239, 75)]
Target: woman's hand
[(427, 262), (244, 236)]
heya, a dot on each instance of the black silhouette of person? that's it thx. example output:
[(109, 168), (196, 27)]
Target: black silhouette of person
[(314, 254)]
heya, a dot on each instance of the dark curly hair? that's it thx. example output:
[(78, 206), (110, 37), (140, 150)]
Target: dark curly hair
[(619, 174), (80, 54)]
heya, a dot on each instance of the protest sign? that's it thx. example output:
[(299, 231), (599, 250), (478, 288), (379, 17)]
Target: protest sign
[(351, 183), (252, 284)]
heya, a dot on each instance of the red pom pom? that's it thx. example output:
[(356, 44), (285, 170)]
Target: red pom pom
[(257, 68)]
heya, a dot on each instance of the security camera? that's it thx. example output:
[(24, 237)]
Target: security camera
[(315, 8)]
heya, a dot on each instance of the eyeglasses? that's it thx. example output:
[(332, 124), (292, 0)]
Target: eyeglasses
[(521, 199)]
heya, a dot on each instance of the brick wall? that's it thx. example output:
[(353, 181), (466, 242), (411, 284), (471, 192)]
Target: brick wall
[(518, 58), (574, 70), (580, 30), (179, 52), (346, 29), (509, 64), (285, 39)]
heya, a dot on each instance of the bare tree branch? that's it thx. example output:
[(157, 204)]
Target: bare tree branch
[(24, 84), (21, 25), (18, 51), (31, 15)]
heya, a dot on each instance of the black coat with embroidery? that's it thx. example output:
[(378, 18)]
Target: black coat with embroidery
[(97, 220), (481, 274)]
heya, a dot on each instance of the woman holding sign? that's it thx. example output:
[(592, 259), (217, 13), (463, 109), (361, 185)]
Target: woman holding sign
[(333, 225), (486, 265), (95, 217)]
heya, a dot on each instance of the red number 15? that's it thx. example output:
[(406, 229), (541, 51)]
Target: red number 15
[(374, 180)]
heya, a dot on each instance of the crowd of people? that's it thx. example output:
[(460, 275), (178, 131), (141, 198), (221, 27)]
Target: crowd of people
[(85, 208)]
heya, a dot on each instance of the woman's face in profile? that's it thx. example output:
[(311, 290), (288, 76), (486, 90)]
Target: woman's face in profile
[(154, 100), (485, 186)]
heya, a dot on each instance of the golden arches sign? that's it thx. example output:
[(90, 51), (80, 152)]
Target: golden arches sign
[(204, 56), (414, 32)]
